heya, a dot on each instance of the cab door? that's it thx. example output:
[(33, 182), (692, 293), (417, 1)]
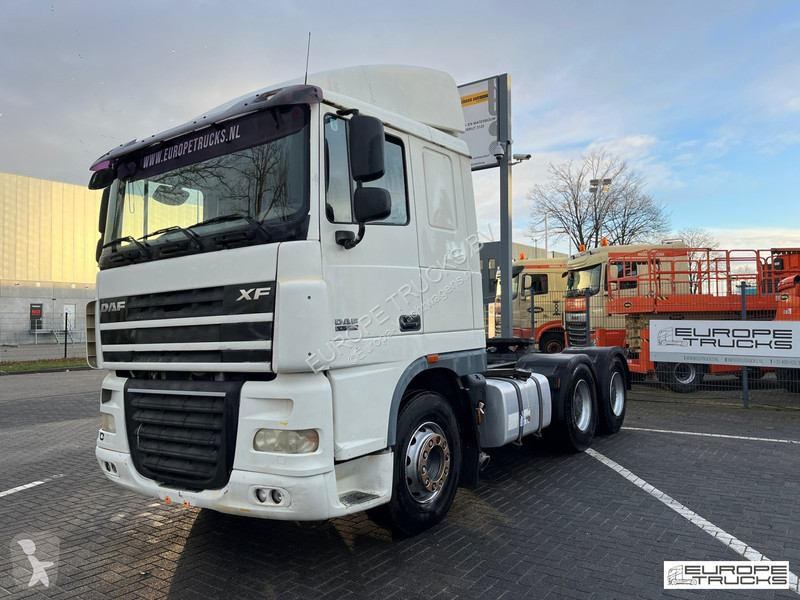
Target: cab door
[(373, 287)]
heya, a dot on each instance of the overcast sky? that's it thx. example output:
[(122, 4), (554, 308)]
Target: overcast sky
[(702, 97)]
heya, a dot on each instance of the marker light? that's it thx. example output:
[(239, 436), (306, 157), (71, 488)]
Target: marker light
[(286, 441)]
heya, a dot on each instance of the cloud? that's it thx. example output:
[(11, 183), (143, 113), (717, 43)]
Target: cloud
[(756, 238)]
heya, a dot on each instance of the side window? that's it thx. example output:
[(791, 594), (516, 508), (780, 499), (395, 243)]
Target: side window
[(394, 180), (339, 185)]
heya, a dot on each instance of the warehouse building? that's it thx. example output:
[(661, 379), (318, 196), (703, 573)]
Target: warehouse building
[(48, 236)]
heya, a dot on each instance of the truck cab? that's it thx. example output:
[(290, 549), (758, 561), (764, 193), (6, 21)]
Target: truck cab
[(538, 289), (289, 304), (635, 275)]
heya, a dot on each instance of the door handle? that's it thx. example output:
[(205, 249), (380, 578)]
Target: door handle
[(410, 322)]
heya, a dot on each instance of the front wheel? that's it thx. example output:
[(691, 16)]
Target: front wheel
[(682, 378), (551, 343), (427, 463)]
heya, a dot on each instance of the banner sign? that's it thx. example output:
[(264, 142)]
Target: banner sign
[(742, 343), (479, 103)]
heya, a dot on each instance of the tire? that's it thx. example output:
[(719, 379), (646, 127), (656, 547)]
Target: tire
[(551, 343), (580, 411), (427, 463), (681, 378), (615, 398), (789, 379)]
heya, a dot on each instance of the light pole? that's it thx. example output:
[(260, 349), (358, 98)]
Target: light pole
[(505, 158), (595, 186)]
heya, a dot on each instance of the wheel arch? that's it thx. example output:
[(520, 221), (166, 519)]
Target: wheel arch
[(449, 377)]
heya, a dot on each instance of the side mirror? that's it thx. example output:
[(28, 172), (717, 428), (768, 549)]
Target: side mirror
[(366, 139), (371, 204), (102, 179)]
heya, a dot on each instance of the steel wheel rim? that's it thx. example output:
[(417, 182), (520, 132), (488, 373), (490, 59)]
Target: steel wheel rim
[(684, 373), (582, 406), (427, 462), (617, 393)]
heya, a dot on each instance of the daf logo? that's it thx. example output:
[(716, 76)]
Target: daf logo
[(253, 294), (112, 306)]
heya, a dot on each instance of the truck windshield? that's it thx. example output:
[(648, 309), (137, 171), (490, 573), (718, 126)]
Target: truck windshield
[(580, 280), (242, 183)]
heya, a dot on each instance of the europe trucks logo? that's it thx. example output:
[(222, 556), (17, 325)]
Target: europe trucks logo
[(738, 335), (741, 343), (729, 575)]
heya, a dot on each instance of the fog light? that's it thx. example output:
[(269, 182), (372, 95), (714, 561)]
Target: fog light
[(276, 496), (107, 423), (283, 441), (262, 494)]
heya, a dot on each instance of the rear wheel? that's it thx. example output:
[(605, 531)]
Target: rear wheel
[(615, 396), (682, 378), (580, 410), (789, 379), (427, 463), (551, 343)]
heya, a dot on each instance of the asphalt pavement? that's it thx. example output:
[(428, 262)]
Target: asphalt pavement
[(542, 524)]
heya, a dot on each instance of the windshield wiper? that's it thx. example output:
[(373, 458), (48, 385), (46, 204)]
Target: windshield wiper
[(140, 246), (187, 232), (225, 218), (236, 217)]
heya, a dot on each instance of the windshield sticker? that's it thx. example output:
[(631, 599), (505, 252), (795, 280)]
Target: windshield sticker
[(212, 142), (199, 143)]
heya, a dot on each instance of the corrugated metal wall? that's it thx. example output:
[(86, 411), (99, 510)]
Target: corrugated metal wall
[(48, 231), (48, 236)]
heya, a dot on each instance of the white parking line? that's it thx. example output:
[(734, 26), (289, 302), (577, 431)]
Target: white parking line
[(715, 435), (28, 486), (725, 538)]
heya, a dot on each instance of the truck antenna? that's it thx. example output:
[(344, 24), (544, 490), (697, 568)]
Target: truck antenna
[(308, 53)]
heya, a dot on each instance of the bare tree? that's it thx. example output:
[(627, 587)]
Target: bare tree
[(600, 197), (702, 256), (697, 237)]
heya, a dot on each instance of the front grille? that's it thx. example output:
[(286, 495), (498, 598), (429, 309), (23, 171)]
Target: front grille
[(183, 433), (576, 329), (205, 326)]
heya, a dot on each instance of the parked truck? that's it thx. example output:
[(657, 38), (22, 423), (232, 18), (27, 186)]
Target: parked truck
[(788, 290), (537, 304), (628, 286), (587, 280), (289, 304)]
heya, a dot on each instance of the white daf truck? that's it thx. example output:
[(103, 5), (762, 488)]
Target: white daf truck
[(289, 305)]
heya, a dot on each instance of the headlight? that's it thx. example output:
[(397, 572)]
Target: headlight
[(107, 423), (286, 441)]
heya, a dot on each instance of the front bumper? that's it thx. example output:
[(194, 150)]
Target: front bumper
[(307, 486), (310, 498)]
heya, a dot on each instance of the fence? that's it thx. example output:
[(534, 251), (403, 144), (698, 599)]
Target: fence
[(741, 344), (45, 340), (624, 312)]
